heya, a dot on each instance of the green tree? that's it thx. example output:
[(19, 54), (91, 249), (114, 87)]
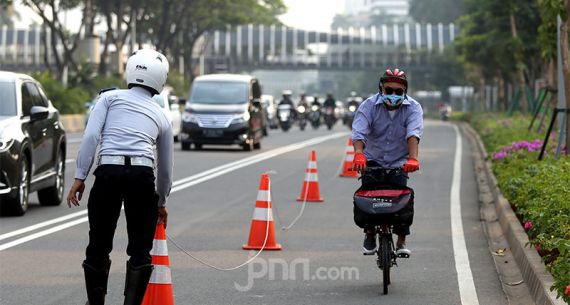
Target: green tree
[(48, 10), (498, 41), (176, 25)]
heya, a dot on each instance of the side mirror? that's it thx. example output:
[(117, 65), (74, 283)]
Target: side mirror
[(181, 101), (38, 113), (174, 107)]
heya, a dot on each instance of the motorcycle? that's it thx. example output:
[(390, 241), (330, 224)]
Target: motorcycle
[(315, 116), (444, 113), (330, 117), (351, 113), (302, 118), (285, 117)]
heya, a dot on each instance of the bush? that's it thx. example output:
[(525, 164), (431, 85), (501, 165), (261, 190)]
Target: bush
[(66, 100), (539, 191)]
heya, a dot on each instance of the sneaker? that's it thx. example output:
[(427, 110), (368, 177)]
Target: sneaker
[(402, 251), (369, 247)]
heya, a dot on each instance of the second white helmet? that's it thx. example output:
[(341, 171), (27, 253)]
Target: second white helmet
[(147, 68)]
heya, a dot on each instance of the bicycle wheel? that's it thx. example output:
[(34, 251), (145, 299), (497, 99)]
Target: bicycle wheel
[(386, 258)]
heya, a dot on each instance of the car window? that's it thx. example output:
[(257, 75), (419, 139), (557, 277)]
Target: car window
[(43, 95), (37, 99), (8, 98), (219, 92), (27, 101)]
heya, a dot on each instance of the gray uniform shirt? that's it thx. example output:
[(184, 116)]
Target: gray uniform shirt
[(129, 123)]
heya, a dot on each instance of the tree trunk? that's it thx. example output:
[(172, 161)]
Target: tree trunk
[(520, 68), (564, 29)]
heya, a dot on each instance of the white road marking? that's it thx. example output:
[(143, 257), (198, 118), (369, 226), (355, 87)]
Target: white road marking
[(42, 233), (464, 276), (42, 224), (178, 186)]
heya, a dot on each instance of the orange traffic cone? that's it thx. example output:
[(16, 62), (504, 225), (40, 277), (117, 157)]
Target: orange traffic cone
[(349, 161), (159, 289), (310, 189), (262, 218)]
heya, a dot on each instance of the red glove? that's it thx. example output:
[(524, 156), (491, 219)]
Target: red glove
[(411, 165), (359, 163)]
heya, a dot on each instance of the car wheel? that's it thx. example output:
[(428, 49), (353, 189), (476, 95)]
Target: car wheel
[(257, 145), (185, 145), (53, 195), (19, 205)]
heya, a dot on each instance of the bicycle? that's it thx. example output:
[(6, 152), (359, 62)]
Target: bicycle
[(383, 205)]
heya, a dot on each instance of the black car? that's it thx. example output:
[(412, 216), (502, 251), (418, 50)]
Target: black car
[(32, 145), (224, 109)]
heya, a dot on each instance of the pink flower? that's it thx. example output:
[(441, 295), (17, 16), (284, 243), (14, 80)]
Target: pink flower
[(528, 225), (567, 291), (499, 156)]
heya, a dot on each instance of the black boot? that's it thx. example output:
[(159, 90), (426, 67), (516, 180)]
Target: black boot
[(96, 282), (135, 283)]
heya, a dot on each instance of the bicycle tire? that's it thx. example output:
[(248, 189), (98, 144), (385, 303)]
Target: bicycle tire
[(386, 258)]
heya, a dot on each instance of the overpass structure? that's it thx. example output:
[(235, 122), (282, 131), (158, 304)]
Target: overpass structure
[(252, 47)]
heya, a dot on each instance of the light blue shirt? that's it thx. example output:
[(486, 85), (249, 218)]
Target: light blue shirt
[(386, 138), (129, 123)]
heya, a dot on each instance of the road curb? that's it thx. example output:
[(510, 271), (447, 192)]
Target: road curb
[(529, 262)]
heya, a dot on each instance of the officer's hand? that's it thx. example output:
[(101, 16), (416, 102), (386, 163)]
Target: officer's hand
[(411, 165), (359, 162), (162, 216), (75, 193)]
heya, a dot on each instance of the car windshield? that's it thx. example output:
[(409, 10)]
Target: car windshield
[(7, 99), (219, 92)]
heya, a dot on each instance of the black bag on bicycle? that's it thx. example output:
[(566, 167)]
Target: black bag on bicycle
[(383, 204)]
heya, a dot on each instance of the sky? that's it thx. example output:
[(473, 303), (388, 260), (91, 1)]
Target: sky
[(301, 14), (311, 14)]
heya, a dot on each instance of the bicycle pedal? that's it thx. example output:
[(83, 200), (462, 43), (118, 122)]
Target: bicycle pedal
[(373, 253)]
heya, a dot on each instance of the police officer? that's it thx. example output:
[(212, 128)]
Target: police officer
[(126, 124)]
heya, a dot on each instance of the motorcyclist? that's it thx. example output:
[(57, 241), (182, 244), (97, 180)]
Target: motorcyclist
[(302, 101), (354, 100), (126, 125), (316, 102), (286, 100), (386, 132), (330, 102)]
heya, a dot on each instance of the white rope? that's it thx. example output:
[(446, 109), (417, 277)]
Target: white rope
[(238, 266), (285, 228), (231, 268)]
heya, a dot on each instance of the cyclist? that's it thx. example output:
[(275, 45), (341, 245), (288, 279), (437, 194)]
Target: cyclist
[(386, 132)]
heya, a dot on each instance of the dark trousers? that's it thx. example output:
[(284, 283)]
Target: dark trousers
[(392, 178), (115, 185)]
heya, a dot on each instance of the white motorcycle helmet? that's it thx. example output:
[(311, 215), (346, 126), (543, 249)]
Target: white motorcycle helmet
[(147, 68)]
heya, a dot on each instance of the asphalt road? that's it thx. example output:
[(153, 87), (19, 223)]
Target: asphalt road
[(210, 216)]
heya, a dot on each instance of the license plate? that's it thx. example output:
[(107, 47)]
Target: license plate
[(213, 133)]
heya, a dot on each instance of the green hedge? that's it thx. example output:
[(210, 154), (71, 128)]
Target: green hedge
[(83, 89), (539, 191)]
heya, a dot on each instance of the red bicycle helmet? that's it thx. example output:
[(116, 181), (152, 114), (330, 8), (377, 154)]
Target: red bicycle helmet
[(395, 76)]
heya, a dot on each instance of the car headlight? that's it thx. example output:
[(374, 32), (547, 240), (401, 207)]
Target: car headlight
[(301, 109), (315, 108), (241, 118), (352, 108), (189, 117)]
